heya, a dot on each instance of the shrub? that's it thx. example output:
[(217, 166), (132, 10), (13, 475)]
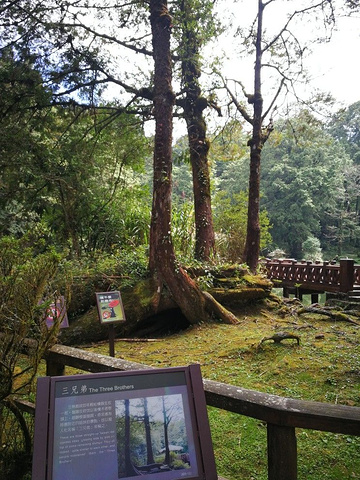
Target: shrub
[(25, 272)]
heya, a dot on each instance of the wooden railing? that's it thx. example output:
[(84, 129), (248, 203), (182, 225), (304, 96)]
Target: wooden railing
[(315, 276), (282, 415)]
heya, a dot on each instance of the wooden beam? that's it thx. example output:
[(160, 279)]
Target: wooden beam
[(263, 406), (282, 453), (283, 411)]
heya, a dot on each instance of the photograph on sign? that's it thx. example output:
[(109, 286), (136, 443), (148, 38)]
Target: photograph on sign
[(110, 307), (142, 425), (122, 425), (57, 311)]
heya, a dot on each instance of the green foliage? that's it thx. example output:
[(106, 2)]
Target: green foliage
[(229, 144), (312, 250), (230, 220), (303, 183), (23, 124), (100, 272), (182, 183), (232, 176), (183, 230), (69, 172), (196, 24), (25, 274), (345, 127), (98, 203), (26, 269), (229, 154)]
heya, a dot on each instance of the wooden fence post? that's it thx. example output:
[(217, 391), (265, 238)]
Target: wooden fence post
[(54, 369), (282, 452), (346, 275)]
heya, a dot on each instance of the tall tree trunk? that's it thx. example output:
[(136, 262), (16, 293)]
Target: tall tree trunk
[(252, 244), (149, 449), (166, 422), (205, 237), (195, 306), (194, 105), (129, 467), (163, 105)]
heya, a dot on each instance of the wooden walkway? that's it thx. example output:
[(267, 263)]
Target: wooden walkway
[(314, 277)]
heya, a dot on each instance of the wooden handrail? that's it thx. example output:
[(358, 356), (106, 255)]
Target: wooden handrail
[(282, 411), (263, 406), (281, 414), (321, 276)]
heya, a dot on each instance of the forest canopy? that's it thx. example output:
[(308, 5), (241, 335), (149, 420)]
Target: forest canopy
[(96, 190), (248, 178), (77, 168)]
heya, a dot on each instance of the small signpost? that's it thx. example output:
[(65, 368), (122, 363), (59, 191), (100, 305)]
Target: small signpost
[(111, 310), (57, 311)]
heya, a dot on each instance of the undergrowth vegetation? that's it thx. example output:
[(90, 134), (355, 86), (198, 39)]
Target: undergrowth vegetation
[(25, 298), (325, 367)]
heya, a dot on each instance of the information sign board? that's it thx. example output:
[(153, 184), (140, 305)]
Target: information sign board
[(110, 307), (119, 425)]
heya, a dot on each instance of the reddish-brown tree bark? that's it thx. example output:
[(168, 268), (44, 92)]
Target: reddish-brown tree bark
[(194, 105), (196, 306)]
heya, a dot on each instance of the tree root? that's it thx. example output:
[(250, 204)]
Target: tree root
[(280, 336), (336, 316), (214, 307)]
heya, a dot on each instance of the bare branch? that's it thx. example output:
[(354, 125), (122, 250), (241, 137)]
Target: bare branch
[(274, 99), (265, 4), (111, 38), (291, 18), (238, 105)]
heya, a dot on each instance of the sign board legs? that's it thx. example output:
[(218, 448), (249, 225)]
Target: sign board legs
[(111, 340)]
